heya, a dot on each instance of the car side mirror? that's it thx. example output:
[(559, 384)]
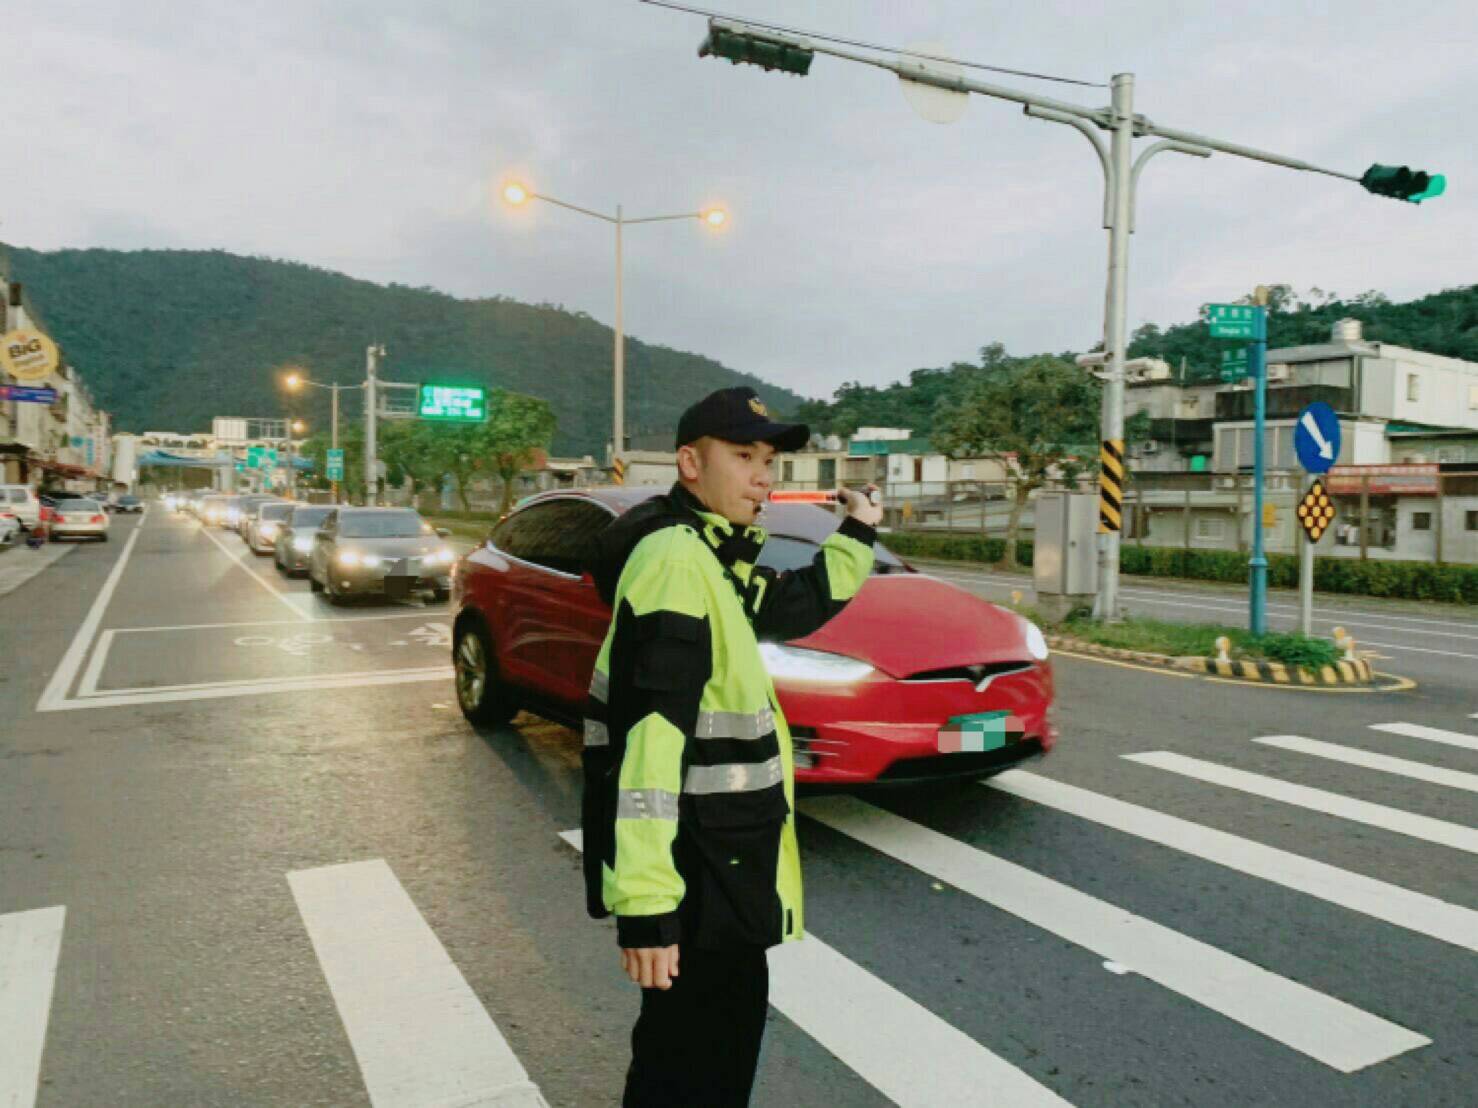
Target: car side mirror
[(443, 533)]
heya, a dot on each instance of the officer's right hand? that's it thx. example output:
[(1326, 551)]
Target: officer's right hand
[(651, 967)]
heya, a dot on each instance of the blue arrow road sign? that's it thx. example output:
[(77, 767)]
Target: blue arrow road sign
[(25, 395), (1316, 437)]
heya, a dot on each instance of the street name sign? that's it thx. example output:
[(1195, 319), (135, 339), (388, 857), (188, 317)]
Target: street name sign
[(28, 355), (334, 465), (1234, 364), (28, 395), (453, 403), (1232, 321), (1316, 437)]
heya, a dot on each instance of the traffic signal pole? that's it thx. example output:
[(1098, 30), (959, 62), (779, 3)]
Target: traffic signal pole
[(756, 44), (1257, 362)]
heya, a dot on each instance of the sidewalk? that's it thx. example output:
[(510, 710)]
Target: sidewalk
[(19, 563)]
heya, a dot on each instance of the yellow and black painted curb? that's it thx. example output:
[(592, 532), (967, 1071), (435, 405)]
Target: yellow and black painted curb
[(1358, 673), (1340, 673)]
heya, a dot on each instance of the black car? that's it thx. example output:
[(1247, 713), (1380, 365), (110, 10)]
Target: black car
[(294, 541), (128, 504)]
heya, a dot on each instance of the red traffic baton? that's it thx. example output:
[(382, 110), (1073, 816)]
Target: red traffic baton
[(808, 496)]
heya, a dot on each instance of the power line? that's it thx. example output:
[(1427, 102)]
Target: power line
[(871, 45)]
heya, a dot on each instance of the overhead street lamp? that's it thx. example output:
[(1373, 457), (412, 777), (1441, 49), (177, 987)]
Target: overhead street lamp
[(295, 380), (713, 217)]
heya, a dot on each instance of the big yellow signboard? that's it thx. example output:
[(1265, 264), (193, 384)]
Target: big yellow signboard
[(28, 355)]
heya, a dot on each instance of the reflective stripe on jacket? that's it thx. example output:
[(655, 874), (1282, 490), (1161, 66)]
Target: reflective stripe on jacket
[(689, 801)]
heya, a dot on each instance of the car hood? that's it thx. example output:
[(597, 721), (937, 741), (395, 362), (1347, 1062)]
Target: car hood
[(910, 623), (393, 548)]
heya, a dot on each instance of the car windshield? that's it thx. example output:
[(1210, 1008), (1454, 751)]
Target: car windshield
[(381, 525), (128, 500), (79, 505), (309, 517), (784, 552), (274, 511)]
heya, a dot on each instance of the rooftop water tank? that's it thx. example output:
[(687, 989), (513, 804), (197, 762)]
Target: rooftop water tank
[(1347, 330)]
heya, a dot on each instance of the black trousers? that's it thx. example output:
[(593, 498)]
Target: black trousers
[(697, 1043)]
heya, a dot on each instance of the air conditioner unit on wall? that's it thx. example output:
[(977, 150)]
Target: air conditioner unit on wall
[(1149, 447), (1279, 371)]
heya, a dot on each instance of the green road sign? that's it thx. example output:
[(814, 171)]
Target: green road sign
[(261, 457), (1232, 321), (1234, 364), (453, 403), (334, 465)]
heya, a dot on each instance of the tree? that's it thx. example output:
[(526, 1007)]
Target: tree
[(1037, 417), (315, 448), (520, 429), (410, 449)]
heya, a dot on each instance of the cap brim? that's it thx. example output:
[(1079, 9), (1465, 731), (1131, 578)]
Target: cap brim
[(784, 437)]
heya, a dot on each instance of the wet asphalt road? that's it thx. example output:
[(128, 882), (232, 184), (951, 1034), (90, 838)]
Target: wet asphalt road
[(179, 742)]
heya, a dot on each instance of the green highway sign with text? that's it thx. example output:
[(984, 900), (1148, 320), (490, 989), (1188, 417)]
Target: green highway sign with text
[(1232, 321), (334, 465), (1234, 365), (260, 457), (453, 403)]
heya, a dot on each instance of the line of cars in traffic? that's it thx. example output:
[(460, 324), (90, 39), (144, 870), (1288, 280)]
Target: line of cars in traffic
[(58, 515), (343, 550)]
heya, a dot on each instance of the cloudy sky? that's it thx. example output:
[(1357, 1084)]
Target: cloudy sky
[(370, 136)]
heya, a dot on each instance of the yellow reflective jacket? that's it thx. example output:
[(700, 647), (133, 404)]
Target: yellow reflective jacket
[(689, 802)]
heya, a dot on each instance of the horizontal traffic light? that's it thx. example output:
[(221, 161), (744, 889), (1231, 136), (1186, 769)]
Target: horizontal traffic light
[(1402, 183), (752, 49)]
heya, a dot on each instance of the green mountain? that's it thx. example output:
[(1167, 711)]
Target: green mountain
[(167, 339)]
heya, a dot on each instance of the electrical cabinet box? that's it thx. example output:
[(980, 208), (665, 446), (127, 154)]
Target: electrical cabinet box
[(1065, 550)]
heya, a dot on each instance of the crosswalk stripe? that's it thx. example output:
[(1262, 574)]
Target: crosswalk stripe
[(30, 943), (1431, 734), (1318, 800), (890, 1040), (418, 1030), (1322, 1027), (1418, 771), (1380, 900)]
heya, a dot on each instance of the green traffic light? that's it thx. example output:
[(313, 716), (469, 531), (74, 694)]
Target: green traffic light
[(767, 53), (1401, 183)]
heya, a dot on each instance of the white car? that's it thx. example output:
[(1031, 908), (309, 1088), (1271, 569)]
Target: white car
[(21, 502), (10, 528), (80, 518)]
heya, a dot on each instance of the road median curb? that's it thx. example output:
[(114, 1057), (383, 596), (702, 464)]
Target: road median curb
[(1273, 673)]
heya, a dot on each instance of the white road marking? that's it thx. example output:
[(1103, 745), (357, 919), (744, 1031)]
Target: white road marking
[(891, 1041), (1322, 1027), (419, 1032), (1414, 911), (1419, 771), (94, 671), (1431, 734), (56, 689), (250, 687), (30, 943), (281, 596), (1359, 811), (268, 622)]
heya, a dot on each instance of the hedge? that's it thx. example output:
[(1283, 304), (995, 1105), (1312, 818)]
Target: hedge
[(1406, 580)]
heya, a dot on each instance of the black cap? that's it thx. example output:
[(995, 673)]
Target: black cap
[(738, 415)]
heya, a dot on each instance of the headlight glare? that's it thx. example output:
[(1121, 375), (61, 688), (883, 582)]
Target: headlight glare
[(795, 664), (303, 544)]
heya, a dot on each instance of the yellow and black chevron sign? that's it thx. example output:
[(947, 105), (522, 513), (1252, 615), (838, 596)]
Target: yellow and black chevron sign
[(618, 471), (1111, 486)]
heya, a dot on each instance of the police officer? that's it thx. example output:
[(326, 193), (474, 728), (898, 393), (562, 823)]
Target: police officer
[(689, 805)]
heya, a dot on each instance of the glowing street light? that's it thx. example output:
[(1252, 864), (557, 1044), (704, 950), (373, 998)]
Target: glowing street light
[(713, 217)]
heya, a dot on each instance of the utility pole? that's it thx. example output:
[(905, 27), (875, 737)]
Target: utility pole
[(618, 432), (774, 48), (373, 354)]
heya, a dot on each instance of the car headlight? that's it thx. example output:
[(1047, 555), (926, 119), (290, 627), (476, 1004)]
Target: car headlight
[(796, 664), (1036, 642), (348, 558), (269, 530), (444, 557), (303, 544)]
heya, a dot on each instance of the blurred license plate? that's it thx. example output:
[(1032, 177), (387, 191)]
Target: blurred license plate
[(979, 732)]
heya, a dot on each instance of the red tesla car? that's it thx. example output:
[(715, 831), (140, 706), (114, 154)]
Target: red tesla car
[(916, 678)]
